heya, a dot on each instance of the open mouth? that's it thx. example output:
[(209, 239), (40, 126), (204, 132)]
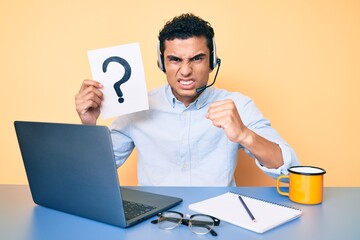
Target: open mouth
[(187, 84)]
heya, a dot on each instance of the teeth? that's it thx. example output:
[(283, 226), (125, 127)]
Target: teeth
[(186, 82)]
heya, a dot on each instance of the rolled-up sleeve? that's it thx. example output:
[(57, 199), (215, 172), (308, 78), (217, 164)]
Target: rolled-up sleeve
[(123, 145), (289, 158)]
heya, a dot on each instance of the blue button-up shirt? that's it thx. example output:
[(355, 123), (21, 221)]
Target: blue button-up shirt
[(179, 146)]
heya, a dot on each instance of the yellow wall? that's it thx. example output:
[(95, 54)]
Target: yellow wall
[(299, 61)]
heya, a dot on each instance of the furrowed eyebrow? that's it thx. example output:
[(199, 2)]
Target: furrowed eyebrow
[(174, 58), (201, 55)]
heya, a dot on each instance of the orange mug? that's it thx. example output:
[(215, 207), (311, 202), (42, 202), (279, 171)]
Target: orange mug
[(305, 184)]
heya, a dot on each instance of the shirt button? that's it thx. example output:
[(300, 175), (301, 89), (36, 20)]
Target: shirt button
[(184, 166)]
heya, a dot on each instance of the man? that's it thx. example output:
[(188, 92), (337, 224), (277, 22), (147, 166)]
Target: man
[(191, 134)]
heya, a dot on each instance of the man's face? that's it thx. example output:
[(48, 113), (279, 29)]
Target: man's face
[(187, 65)]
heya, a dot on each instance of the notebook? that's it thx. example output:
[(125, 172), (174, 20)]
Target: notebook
[(228, 207), (71, 168)]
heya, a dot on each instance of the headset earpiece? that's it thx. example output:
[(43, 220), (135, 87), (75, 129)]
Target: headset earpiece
[(160, 61), (213, 58)]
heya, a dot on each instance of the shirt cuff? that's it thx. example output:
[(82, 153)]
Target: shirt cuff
[(289, 159)]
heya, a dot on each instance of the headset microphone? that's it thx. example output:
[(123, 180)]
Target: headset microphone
[(200, 89)]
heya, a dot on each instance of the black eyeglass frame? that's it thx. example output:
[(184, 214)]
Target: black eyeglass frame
[(187, 222)]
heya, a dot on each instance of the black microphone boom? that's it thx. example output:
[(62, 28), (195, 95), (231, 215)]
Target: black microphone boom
[(200, 89)]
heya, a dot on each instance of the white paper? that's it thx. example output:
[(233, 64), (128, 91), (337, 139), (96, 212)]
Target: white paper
[(110, 66), (227, 207)]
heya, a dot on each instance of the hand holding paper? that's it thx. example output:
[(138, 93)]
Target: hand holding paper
[(120, 70)]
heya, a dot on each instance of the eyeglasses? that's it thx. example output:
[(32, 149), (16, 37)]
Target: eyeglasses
[(198, 223)]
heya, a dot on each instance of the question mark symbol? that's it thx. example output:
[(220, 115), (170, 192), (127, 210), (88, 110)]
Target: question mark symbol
[(124, 79)]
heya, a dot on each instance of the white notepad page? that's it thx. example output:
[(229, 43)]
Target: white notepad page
[(227, 207)]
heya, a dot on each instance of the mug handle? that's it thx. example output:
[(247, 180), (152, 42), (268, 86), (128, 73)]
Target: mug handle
[(278, 187)]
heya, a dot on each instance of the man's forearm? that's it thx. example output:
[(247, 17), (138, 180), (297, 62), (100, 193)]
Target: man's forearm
[(266, 152)]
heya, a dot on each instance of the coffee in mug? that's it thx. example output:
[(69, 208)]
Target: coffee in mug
[(305, 184)]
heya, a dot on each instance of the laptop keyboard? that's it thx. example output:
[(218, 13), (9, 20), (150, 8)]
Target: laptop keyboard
[(133, 209)]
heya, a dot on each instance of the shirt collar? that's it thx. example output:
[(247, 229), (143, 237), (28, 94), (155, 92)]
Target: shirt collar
[(200, 102)]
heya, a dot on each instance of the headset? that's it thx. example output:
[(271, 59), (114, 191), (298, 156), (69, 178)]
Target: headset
[(214, 60)]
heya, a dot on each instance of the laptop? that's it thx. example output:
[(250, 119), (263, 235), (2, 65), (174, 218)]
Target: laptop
[(71, 168)]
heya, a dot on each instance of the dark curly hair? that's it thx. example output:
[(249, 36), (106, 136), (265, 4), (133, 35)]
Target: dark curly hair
[(185, 26)]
